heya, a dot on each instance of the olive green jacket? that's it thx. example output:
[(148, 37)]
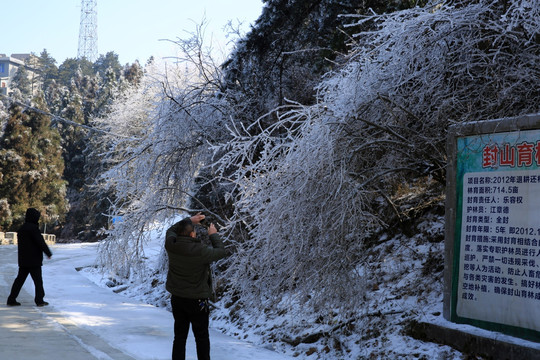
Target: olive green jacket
[(189, 264)]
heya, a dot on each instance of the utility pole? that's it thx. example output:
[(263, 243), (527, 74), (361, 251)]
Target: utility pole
[(88, 31)]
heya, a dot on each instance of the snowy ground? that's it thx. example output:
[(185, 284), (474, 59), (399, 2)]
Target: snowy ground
[(406, 284), (399, 294), (399, 291), (137, 329)]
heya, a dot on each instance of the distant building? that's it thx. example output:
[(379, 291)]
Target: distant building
[(9, 66)]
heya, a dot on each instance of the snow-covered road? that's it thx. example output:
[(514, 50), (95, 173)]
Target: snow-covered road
[(90, 321)]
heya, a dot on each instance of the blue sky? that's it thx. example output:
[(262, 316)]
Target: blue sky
[(130, 28)]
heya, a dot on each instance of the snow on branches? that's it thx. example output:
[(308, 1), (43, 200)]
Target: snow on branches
[(169, 120), (307, 218), (309, 188), (309, 183)]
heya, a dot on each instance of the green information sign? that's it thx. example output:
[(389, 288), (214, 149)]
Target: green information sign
[(495, 278)]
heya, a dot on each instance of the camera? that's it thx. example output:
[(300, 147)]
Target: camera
[(205, 222)]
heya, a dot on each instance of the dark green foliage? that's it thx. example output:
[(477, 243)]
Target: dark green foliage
[(73, 141), (289, 48), (77, 90), (5, 213), (104, 62), (32, 166), (48, 69), (22, 82), (133, 73), (72, 66)]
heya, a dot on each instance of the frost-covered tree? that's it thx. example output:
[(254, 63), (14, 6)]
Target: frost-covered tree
[(5, 213), (76, 91), (70, 66), (133, 73), (154, 141), (107, 91), (21, 81), (106, 62), (289, 48), (3, 117), (315, 187), (87, 95)]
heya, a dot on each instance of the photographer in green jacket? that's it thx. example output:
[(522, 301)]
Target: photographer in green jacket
[(190, 284)]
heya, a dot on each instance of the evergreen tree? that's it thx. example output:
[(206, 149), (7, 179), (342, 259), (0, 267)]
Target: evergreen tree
[(76, 90), (70, 66), (73, 141), (3, 118), (54, 96), (107, 91), (22, 82), (35, 74), (48, 68), (109, 60), (31, 164), (89, 88), (133, 73), (5, 213)]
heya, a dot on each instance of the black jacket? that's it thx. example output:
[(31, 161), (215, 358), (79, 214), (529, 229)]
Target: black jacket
[(189, 264), (31, 244)]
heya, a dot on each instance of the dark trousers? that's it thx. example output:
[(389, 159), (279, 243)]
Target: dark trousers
[(185, 312), (35, 272)]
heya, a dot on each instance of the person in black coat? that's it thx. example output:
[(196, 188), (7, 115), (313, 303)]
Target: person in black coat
[(31, 247)]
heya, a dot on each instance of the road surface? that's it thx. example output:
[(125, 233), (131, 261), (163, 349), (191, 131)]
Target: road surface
[(85, 321)]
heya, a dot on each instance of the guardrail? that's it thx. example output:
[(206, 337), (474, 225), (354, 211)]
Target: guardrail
[(50, 239), (10, 238)]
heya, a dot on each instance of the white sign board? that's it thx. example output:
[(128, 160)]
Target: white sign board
[(496, 268)]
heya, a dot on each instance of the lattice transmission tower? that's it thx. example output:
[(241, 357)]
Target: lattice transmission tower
[(88, 31)]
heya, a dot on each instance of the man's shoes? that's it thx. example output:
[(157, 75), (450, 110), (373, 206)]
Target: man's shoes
[(44, 303), (13, 303)]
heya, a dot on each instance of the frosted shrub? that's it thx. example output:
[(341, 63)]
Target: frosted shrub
[(307, 218), (310, 183), (163, 126), (426, 68), (309, 187)]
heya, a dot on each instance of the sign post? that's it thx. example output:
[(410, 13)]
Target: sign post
[(492, 239)]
